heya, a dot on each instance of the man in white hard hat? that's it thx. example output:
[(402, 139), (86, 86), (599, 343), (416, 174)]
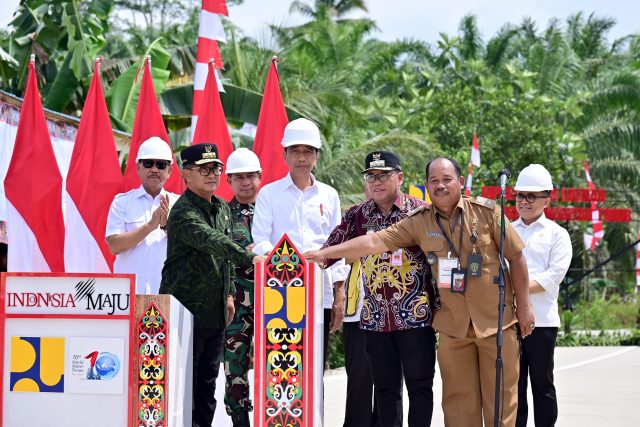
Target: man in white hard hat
[(243, 175), (136, 219), (548, 253), (306, 210)]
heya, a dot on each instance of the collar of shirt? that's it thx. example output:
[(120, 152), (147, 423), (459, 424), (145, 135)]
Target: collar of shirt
[(141, 192), (288, 183), (542, 221), (369, 208), (234, 204), (459, 205), (203, 204)]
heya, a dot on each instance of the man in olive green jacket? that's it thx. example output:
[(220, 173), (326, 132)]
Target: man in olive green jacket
[(201, 257)]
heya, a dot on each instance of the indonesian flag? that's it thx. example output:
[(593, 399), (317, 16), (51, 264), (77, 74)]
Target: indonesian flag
[(213, 129), (148, 123), (638, 264), (93, 180), (210, 32), (474, 161), (591, 240), (271, 123), (33, 188)]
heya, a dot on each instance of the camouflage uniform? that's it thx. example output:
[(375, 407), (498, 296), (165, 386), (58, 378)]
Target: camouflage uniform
[(239, 333)]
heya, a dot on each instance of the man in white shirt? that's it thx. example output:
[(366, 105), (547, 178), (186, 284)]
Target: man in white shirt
[(306, 210), (136, 219), (548, 254)]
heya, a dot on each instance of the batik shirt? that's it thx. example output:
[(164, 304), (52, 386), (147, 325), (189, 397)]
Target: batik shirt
[(397, 297)]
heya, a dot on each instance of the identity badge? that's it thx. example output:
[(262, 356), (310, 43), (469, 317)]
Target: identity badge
[(445, 266), (474, 265), (458, 280), (396, 258)]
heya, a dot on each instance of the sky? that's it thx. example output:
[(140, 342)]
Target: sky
[(425, 19)]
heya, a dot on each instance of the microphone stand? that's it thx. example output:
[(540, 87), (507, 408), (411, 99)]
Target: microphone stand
[(500, 281)]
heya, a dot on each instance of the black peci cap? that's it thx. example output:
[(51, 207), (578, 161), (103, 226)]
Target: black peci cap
[(382, 160), (200, 154)]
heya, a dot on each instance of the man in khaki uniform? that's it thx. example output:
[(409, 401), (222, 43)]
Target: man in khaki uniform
[(460, 237)]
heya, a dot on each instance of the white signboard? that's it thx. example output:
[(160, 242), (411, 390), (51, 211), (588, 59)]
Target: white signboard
[(66, 347), (78, 295)]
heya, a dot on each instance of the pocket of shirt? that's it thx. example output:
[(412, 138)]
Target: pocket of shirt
[(134, 220)]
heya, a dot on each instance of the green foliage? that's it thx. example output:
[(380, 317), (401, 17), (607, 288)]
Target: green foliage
[(600, 339), (335, 357), (600, 314)]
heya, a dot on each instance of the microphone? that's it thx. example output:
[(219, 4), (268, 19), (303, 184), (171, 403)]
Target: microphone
[(504, 176)]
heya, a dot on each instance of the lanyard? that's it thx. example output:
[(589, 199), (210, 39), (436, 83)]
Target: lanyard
[(444, 233)]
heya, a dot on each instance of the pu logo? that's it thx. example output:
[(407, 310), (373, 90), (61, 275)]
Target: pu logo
[(37, 365)]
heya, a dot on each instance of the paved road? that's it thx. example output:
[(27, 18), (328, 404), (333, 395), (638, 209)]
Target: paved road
[(597, 386)]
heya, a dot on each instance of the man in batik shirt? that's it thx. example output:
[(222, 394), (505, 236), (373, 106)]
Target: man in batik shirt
[(399, 300)]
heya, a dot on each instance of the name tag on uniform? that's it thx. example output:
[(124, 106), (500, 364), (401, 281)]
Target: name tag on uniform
[(396, 258), (445, 267)]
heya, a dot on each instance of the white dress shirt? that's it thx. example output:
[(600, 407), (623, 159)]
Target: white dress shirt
[(308, 217), (548, 253), (129, 211)]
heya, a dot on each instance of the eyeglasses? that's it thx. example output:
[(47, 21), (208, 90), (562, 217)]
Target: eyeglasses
[(383, 177), (160, 164), (531, 198), (205, 171)]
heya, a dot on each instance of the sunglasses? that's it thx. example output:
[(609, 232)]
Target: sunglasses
[(160, 164)]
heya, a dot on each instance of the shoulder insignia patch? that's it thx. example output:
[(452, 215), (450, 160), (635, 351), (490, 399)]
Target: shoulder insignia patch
[(483, 201), (416, 210)]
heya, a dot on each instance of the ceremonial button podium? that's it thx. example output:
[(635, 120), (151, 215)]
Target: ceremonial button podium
[(288, 346), (76, 350)]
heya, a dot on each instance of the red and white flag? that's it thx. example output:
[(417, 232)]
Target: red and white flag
[(210, 32), (271, 123), (212, 128), (474, 161), (591, 240), (148, 123), (638, 264), (93, 180), (33, 187)]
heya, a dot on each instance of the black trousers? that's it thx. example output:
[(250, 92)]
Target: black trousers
[(358, 411), (393, 355), (536, 364), (207, 352)]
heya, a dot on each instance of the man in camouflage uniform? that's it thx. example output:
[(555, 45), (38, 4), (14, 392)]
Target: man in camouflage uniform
[(243, 175), (201, 260)]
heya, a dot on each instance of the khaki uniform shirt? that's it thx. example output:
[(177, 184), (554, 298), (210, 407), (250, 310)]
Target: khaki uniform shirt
[(479, 304)]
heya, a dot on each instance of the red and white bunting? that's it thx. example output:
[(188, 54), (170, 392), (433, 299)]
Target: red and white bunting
[(591, 240), (474, 161), (210, 32)]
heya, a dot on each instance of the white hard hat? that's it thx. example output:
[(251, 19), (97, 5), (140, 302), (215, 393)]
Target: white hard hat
[(243, 160), (155, 148), (301, 132), (534, 178)]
